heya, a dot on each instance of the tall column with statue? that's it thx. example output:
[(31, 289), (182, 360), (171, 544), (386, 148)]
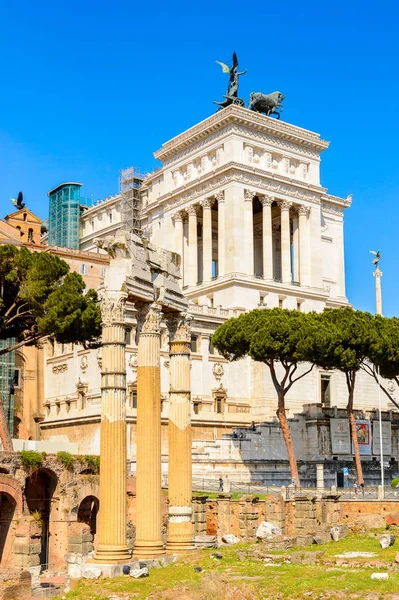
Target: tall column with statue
[(180, 531), (148, 434), (112, 543)]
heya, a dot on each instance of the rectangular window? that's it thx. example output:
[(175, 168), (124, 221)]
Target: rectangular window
[(196, 407), (110, 217), (194, 343), (325, 390), (83, 269), (219, 405), (299, 306), (128, 334), (134, 399), (17, 378), (280, 302)]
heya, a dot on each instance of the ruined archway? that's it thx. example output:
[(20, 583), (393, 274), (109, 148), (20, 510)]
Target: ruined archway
[(87, 513), (39, 490), (8, 507)]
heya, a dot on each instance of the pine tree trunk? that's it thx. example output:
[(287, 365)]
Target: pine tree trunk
[(4, 433), (282, 417), (352, 425)]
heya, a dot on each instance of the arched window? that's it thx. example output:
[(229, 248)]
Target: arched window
[(30, 235)]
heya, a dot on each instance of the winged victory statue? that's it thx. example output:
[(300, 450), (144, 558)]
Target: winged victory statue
[(231, 97)]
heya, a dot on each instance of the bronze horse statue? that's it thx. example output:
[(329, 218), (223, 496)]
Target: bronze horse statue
[(269, 104)]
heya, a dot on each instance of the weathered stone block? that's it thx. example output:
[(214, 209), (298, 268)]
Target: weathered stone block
[(392, 518), (304, 540), (74, 539), (306, 558), (75, 548)]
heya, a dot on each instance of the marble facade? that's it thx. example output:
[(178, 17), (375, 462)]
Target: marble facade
[(238, 197)]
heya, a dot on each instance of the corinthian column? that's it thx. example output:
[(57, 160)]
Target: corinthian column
[(285, 242), (267, 202), (148, 435), (112, 546), (221, 228), (192, 246), (179, 240), (180, 532), (207, 239), (304, 272), (249, 231)]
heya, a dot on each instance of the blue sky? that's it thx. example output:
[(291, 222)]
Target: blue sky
[(88, 88)]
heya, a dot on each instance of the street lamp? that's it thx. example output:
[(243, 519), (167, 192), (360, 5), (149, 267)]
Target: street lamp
[(378, 311)]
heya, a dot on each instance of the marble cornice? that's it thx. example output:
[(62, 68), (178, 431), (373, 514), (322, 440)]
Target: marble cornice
[(265, 182), (243, 116)]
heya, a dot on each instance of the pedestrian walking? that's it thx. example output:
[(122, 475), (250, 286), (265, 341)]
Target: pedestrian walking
[(220, 484), (356, 487)]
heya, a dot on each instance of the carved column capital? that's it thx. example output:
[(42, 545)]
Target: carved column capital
[(206, 203), (285, 205), (303, 210), (249, 195), (179, 327), (219, 196), (149, 318), (266, 200), (178, 216), (113, 307), (192, 210)]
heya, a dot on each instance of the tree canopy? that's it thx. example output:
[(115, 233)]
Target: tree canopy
[(384, 354), (344, 338), (39, 297), (273, 336)]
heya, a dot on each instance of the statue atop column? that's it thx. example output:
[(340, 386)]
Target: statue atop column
[(231, 97)]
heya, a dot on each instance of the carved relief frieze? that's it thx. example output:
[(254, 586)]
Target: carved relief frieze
[(331, 209), (60, 368), (273, 184), (254, 125)]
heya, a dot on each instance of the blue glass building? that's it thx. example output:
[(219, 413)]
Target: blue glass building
[(64, 215)]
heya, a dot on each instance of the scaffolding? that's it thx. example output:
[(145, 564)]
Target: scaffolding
[(130, 181)]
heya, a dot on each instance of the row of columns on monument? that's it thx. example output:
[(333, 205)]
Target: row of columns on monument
[(300, 214), (112, 543)]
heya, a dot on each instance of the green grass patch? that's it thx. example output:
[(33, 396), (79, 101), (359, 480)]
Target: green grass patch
[(252, 578)]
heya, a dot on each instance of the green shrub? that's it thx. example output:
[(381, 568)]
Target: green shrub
[(66, 459), (395, 482), (44, 455), (93, 462), (31, 459)]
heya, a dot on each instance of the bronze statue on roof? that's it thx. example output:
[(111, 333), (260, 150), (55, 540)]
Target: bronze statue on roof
[(231, 97)]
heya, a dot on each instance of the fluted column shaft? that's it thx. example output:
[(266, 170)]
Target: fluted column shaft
[(304, 270), (285, 242), (179, 241), (148, 435), (267, 237), (221, 233), (207, 239), (112, 543), (180, 531), (249, 231), (192, 246)]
